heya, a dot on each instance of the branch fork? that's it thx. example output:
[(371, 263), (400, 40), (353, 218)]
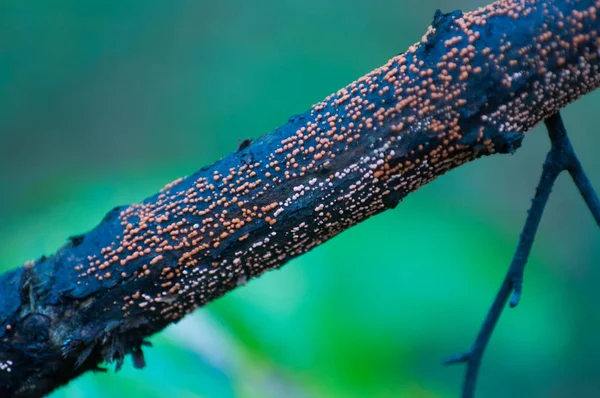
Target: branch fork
[(560, 158)]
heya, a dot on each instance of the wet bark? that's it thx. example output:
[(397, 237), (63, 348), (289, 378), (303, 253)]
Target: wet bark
[(472, 87)]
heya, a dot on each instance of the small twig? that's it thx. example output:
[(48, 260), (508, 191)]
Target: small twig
[(561, 157)]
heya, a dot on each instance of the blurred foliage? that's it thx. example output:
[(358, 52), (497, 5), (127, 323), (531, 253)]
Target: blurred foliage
[(103, 102)]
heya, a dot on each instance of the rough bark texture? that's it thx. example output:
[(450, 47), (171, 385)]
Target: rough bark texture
[(472, 87)]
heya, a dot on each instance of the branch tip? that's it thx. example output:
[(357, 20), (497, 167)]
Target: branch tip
[(517, 282), (458, 358)]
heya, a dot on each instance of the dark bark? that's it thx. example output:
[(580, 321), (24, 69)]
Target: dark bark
[(472, 87)]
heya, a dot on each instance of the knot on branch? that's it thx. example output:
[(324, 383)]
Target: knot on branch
[(507, 142), (442, 22)]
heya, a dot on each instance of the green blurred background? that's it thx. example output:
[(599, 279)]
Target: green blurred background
[(103, 102)]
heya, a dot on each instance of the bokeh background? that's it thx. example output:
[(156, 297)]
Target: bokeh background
[(103, 102)]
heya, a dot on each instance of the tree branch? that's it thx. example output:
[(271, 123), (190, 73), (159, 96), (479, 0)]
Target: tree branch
[(472, 87), (560, 158)]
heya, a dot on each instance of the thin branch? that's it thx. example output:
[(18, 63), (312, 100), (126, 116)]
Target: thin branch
[(561, 157), (581, 180)]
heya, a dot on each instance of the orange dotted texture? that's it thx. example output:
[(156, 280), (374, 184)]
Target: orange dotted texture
[(471, 87)]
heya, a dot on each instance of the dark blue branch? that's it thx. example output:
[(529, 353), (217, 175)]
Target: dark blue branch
[(561, 157)]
